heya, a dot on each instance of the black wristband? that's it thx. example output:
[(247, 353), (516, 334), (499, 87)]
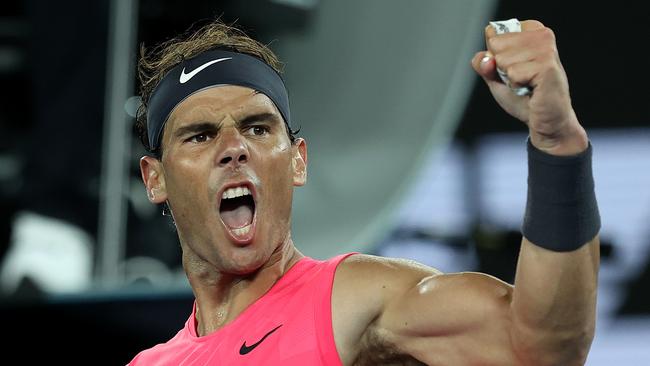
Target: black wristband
[(561, 212)]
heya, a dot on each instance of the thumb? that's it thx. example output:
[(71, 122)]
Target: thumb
[(484, 65)]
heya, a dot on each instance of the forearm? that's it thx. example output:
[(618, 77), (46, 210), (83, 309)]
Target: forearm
[(554, 299), (554, 303)]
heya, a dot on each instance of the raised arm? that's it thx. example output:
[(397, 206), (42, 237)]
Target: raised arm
[(548, 318), (554, 300)]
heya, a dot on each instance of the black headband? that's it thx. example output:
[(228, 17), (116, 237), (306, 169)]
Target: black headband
[(209, 69)]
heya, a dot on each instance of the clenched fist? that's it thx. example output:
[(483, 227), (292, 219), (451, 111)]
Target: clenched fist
[(530, 58)]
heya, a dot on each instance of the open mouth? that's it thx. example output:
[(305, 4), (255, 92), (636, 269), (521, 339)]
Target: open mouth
[(237, 210)]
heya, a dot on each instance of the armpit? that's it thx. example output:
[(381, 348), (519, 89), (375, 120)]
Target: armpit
[(376, 350)]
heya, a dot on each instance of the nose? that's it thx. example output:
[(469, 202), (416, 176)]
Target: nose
[(235, 151)]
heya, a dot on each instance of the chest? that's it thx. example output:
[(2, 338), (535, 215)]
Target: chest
[(281, 333)]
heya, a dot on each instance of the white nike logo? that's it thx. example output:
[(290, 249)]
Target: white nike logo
[(186, 77)]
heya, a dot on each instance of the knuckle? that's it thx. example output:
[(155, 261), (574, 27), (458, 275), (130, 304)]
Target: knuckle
[(532, 24), (500, 60), (537, 23), (513, 73), (548, 35), (547, 54), (549, 59), (492, 42), (489, 30), (552, 65)]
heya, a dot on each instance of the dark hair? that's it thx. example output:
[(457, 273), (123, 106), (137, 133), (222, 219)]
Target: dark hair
[(156, 62)]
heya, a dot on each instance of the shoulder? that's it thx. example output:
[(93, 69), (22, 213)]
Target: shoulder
[(385, 277), (373, 273), (363, 286)]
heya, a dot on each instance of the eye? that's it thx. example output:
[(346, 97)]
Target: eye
[(258, 130), (198, 138)]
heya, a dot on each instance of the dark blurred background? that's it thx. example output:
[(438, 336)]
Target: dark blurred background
[(80, 271)]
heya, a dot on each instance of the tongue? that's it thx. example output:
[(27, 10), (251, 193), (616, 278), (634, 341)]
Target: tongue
[(237, 217)]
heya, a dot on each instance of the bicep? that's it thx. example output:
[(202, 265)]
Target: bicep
[(451, 318)]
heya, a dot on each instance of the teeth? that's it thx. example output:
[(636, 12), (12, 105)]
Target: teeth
[(235, 192), (242, 231)]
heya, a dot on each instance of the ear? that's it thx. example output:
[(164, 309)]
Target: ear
[(154, 179), (299, 162)]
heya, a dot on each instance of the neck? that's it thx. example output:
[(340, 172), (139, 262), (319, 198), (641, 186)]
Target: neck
[(222, 296)]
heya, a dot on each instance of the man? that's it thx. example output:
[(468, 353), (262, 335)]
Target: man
[(224, 163)]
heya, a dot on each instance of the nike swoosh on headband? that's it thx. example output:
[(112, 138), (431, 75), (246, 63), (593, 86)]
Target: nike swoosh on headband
[(186, 77)]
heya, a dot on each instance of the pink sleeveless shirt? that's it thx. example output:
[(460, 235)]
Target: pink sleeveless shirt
[(290, 325)]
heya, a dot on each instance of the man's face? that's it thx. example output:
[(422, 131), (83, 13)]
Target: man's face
[(228, 171)]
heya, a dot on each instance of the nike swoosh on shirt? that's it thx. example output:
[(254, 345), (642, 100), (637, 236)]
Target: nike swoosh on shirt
[(245, 349), (186, 77)]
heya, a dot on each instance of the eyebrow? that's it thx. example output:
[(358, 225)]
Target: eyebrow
[(264, 116), (214, 127), (196, 128)]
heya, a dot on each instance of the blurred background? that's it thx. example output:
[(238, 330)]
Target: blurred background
[(409, 156)]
